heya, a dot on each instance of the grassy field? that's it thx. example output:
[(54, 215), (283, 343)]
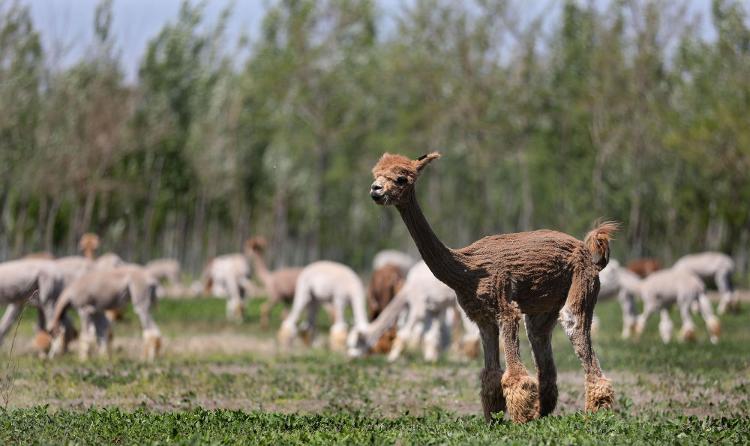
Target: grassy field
[(227, 383)]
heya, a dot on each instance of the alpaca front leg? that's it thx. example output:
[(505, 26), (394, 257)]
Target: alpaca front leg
[(577, 325), (723, 281), (521, 391), (87, 340), (539, 331), (431, 344), (665, 326), (687, 332), (493, 401), (629, 315)]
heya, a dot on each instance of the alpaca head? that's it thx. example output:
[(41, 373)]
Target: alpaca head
[(256, 244), (89, 243), (395, 176)]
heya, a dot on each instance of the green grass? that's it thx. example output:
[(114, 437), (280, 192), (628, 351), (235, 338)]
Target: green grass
[(677, 393), (114, 426)]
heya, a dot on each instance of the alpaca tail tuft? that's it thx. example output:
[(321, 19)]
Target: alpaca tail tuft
[(597, 242)]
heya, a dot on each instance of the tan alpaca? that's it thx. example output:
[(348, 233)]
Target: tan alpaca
[(430, 303), (542, 275), (325, 283), (718, 266), (393, 257), (385, 283), (664, 288), (279, 284), (96, 292)]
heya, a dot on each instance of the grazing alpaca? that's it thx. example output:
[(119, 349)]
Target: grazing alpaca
[(393, 257), (32, 281), (430, 302), (644, 267), (322, 283), (227, 275), (664, 288), (279, 284), (541, 274), (718, 266), (624, 284), (385, 282), (95, 293)]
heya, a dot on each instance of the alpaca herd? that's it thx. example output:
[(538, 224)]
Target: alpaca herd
[(484, 290)]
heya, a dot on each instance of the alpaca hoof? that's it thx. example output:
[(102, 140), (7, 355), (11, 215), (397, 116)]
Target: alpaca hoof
[(687, 335), (599, 395), (42, 342), (714, 329), (493, 401), (337, 339), (285, 336), (521, 396)]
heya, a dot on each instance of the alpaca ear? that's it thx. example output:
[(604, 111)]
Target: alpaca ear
[(426, 159)]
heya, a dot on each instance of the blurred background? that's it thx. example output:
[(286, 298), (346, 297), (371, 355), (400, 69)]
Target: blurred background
[(180, 128)]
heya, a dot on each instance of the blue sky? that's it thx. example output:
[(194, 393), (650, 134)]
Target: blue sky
[(66, 25)]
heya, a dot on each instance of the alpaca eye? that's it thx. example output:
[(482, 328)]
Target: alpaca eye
[(401, 180)]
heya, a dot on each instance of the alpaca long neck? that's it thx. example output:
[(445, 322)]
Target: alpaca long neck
[(445, 263), (387, 317), (259, 264), (88, 253)]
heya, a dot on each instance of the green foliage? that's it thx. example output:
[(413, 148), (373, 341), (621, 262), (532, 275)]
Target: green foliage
[(618, 110)]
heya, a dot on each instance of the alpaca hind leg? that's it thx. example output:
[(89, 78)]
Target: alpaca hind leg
[(726, 289), (339, 328), (431, 346), (151, 335), (12, 311), (309, 327), (687, 332), (575, 318), (414, 323), (539, 331), (87, 340), (649, 307), (712, 322), (103, 333), (265, 313), (521, 391), (629, 316), (288, 330)]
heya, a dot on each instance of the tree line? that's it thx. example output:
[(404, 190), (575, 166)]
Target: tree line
[(624, 110)]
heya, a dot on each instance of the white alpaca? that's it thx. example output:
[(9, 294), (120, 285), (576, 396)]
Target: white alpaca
[(34, 281), (227, 276), (108, 261), (399, 259), (617, 281), (98, 291), (326, 283), (432, 305), (714, 265), (662, 289)]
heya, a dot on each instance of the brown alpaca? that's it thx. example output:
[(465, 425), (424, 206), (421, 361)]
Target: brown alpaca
[(385, 282), (543, 275), (645, 266), (279, 284)]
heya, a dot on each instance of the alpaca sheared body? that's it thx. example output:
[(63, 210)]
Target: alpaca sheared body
[(96, 292), (429, 303), (717, 266), (667, 287), (541, 276), (326, 283)]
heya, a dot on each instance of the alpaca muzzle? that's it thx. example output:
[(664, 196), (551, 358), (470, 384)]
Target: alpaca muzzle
[(376, 192)]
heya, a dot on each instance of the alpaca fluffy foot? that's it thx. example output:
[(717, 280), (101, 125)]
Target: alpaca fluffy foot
[(493, 401), (285, 336), (337, 339), (599, 395), (42, 342), (687, 334), (151, 344), (714, 329), (522, 396)]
